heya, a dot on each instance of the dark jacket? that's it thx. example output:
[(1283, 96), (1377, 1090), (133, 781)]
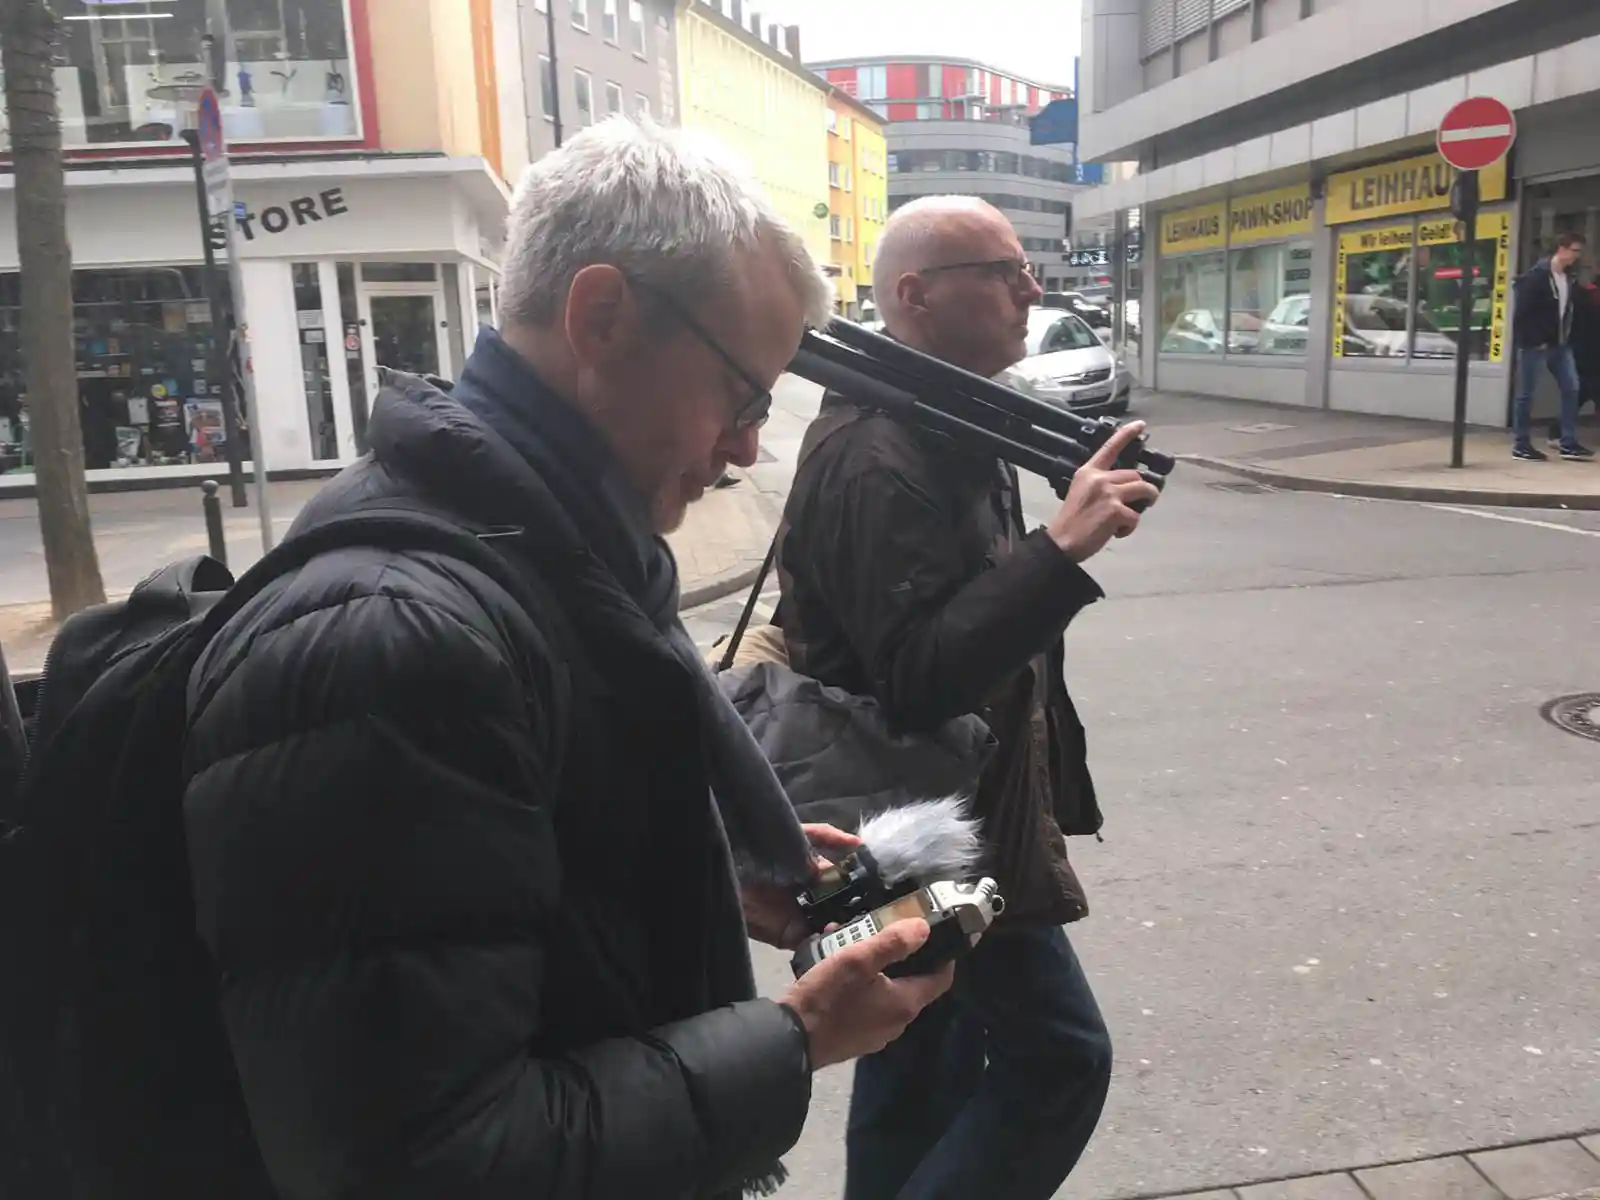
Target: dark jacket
[(1537, 317), (456, 860), (907, 575)]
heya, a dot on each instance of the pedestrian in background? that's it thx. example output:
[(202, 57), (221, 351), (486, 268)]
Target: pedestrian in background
[(455, 855), (1542, 320), (907, 575)]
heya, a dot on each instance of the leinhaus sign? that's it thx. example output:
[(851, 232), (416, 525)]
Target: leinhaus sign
[(1193, 229), (1411, 185)]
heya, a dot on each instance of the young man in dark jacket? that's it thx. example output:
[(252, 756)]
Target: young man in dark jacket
[(907, 574), (1542, 317), (456, 856)]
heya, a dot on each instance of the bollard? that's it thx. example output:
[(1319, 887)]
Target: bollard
[(213, 511)]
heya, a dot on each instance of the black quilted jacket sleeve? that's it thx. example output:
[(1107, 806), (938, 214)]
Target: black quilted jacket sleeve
[(369, 828)]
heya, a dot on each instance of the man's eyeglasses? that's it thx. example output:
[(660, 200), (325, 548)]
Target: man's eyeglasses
[(1009, 271), (755, 410)]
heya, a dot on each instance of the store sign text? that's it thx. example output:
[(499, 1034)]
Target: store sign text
[(1192, 229), (1412, 185), (279, 218), (1283, 213)]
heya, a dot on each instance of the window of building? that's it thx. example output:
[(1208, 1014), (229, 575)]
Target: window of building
[(932, 79), (540, 6), (1269, 303), (833, 174), (148, 370), (1397, 290), (580, 14), (636, 27), (881, 109), (847, 180), (1194, 304), (835, 226), (872, 83), (547, 89), (833, 121), (583, 85), (613, 99), (844, 128), (608, 21), (849, 229), (116, 67), (642, 104), (929, 112)]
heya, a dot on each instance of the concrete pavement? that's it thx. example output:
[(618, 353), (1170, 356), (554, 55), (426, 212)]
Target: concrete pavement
[(1357, 455)]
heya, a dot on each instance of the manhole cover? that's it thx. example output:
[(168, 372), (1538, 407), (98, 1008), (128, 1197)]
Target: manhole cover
[(1245, 488), (1578, 714)]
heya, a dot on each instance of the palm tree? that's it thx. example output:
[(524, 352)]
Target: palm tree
[(28, 34)]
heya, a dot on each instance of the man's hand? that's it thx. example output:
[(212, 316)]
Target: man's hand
[(771, 913), (1099, 503), (849, 1007)]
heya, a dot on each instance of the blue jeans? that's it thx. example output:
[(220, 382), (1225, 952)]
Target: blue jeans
[(930, 1120), (1560, 361)]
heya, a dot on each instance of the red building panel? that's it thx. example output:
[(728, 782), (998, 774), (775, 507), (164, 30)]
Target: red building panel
[(902, 112), (901, 82), (843, 78)]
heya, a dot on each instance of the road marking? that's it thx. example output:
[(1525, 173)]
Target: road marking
[(1494, 516)]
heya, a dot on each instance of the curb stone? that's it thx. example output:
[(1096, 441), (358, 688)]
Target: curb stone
[(1291, 482), (729, 582)]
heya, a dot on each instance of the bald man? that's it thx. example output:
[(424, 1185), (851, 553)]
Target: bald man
[(907, 574)]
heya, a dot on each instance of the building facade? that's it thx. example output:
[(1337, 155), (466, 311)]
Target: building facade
[(613, 57), (961, 127), (858, 198), (750, 92), (368, 171), (1288, 227)]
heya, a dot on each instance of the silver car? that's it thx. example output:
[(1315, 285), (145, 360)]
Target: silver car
[(1069, 366)]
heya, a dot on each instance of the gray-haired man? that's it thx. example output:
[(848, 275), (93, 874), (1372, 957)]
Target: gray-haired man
[(455, 854)]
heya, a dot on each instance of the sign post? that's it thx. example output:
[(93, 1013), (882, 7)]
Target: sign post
[(1476, 133), (241, 377)]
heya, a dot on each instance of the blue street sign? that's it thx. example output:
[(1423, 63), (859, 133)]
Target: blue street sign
[(239, 210), (1055, 124)]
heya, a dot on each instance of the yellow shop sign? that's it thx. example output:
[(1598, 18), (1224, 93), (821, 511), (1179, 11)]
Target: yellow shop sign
[(1282, 213), (1193, 229), (1412, 185)]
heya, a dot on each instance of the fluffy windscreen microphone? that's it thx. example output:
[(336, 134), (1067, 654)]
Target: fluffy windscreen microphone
[(917, 860)]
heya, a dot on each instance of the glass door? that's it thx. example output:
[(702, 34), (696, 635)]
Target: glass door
[(405, 332)]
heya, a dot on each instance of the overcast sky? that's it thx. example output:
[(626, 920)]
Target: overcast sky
[(1035, 38)]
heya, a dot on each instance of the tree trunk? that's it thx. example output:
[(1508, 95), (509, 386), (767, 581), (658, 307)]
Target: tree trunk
[(28, 31)]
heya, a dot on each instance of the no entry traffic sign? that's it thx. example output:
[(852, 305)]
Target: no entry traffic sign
[(1476, 133)]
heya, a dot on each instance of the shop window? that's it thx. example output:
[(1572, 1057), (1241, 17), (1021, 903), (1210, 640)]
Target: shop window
[(147, 394), (1397, 290), (354, 357), (399, 272), (1269, 302), (314, 361), (283, 70), (1193, 304)]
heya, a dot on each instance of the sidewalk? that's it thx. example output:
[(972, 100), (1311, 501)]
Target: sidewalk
[(719, 549), (1559, 1169), (1388, 458)]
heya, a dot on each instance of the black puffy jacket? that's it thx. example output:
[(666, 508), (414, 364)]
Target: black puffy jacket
[(439, 849)]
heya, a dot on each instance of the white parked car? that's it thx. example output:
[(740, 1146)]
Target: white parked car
[(1069, 366)]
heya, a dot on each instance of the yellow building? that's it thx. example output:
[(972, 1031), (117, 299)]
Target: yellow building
[(858, 197), (763, 106)]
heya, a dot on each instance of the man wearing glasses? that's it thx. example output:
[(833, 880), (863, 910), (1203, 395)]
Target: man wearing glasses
[(907, 574), (477, 862)]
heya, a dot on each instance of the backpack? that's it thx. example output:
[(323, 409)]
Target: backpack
[(112, 1045)]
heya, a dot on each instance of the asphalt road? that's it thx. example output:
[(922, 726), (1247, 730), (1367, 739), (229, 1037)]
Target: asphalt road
[(1346, 908)]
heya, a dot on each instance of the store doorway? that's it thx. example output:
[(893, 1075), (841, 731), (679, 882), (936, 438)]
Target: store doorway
[(406, 332), (1548, 210)]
